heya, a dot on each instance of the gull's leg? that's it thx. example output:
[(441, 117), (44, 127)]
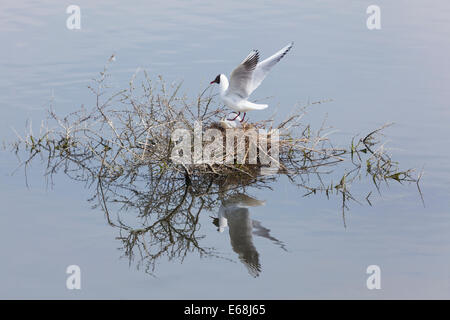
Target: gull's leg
[(230, 113), (237, 115), (243, 116)]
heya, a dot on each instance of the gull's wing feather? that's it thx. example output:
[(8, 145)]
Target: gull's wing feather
[(241, 77), (263, 68)]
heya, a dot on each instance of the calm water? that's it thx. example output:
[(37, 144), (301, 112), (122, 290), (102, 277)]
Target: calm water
[(399, 74)]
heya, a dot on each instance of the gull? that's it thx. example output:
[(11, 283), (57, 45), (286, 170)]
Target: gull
[(234, 213), (245, 79)]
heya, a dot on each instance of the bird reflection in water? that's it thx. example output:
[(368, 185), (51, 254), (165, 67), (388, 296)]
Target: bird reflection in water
[(234, 214)]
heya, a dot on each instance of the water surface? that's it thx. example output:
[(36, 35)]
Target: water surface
[(397, 74)]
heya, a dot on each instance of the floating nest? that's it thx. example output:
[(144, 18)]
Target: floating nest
[(133, 127)]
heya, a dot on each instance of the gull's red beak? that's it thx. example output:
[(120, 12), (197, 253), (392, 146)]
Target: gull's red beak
[(216, 80)]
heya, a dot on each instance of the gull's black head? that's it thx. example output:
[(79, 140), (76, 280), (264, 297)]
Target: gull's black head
[(216, 80)]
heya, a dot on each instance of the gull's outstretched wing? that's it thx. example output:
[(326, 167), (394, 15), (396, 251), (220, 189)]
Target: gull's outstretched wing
[(241, 78), (263, 232), (262, 69)]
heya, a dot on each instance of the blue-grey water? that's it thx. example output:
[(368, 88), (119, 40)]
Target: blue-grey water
[(400, 74)]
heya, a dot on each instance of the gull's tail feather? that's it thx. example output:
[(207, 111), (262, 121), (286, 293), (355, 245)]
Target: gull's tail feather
[(259, 106), (254, 106)]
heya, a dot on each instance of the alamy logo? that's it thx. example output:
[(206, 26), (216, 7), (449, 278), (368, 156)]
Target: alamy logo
[(374, 280), (374, 20), (74, 280), (73, 22)]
